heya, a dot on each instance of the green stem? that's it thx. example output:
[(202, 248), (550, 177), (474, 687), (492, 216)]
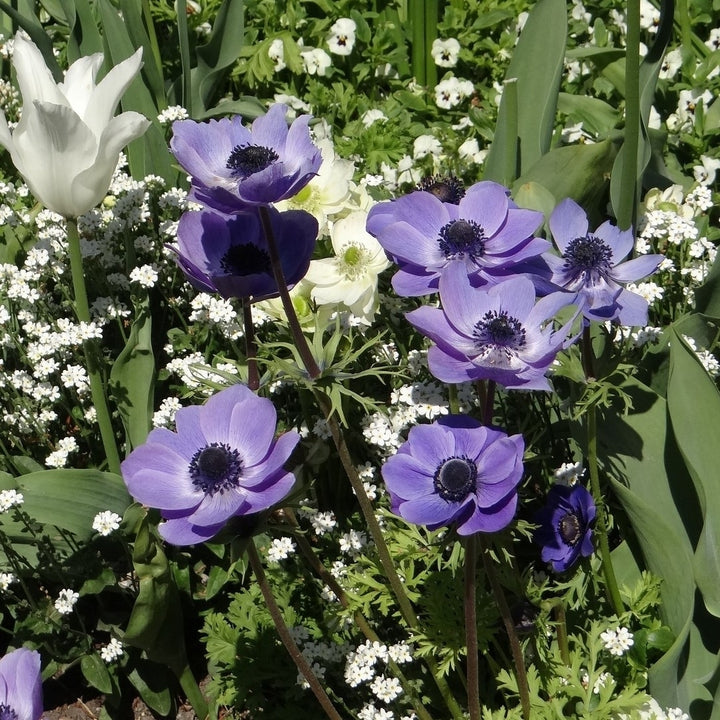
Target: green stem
[(631, 143), (290, 645), (561, 629), (432, 13), (416, 16), (505, 614), (250, 346), (471, 640), (600, 523), (193, 693), (301, 342), (92, 352)]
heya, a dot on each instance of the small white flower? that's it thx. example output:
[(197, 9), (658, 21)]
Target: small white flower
[(451, 91), (6, 580), (342, 36), (352, 542), (10, 498), (705, 173), (445, 52), (316, 61), (112, 651), (386, 689), (372, 116), (617, 641), (106, 522), (568, 473), (280, 549), (66, 601), (276, 52), (145, 275), (671, 63), (170, 114), (425, 145)]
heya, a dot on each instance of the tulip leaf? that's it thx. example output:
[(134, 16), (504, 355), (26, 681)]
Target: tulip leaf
[(596, 115), (153, 684), (132, 378), (84, 37), (537, 64)]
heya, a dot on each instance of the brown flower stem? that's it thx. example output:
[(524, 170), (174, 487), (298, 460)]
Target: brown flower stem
[(561, 629), (250, 346), (301, 342), (471, 641), (516, 649), (290, 645)]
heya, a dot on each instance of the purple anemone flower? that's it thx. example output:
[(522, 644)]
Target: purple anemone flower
[(590, 266), (229, 254), (456, 472), (20, 685), (483, 230), (222, 462), (232, 166), (498, 333), (565, 531)]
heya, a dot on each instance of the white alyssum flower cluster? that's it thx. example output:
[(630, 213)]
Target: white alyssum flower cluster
[(112, 651), (6, 580), (617, 641), (59, 457), (106, 522), (707, 359), (9, 499), (66, 600), (281, 549), (164, 416)]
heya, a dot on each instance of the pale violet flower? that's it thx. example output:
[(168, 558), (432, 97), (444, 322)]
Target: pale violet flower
[(67, 143), (112, 651), (105, 522), (342, 36), (66, 601), (445, 52), (316, 61), (349, 279)]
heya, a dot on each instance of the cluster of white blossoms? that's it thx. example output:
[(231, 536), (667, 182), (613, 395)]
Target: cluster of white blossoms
[(320, 654), (353, 542), (280, 549), (59, 457), (10, 498), (172, 113), (106, 522), (322, 521), (65, 601), (112, 651), (6, 580), (569, 473), (617, 641), (707, 359), (164, 416)]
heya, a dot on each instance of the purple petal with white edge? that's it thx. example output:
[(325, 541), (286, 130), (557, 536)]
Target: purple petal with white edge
[(219, 507), (407, 243), (217, 412), (547, 307), (180, 531), (279, 453), (407, 477), (21, 682), (620, 242), (428, 510), (431, 444), (191, 231), (490, 520), (271, 130), (568, 221), (636, 269), (252, 425), (486, 203)]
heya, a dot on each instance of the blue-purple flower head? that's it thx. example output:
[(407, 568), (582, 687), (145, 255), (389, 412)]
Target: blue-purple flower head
[(565, 531), (232, 166), (20, 686), (456, 472), (591, 266), (499, 333), (224, 461), (229, 254), (483, 230)]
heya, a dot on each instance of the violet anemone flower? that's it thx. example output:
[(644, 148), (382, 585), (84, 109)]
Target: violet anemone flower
[(590, 266), (232, 166), (483, 230), (456, 472), (222, 462), (565, 531), (20, 685), (498, 333), (228, 254)]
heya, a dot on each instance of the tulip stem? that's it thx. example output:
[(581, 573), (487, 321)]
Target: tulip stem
[(471, 640), (290, 645), (90, 347), (301, 342)]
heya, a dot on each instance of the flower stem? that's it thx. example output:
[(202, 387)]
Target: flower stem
[(601, 525), (92, 353), (301, 342), (471, 640), (290, 645), (250, 346), (515, 647)]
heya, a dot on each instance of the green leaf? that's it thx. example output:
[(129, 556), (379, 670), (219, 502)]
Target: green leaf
[(537, 64), (132, 378), (596, 115), (84, 37), (96, 672), (153, 684)]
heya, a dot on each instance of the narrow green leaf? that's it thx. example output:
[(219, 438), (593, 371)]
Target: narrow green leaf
[(153, 684), (596, 115), (84, 37), (96, 672)]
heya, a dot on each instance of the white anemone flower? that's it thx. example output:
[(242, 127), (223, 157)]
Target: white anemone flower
[(67, 143), (349, 280)]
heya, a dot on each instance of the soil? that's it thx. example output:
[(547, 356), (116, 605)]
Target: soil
[(90, 710)]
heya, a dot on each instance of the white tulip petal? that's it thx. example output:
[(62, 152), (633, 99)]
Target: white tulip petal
[(33, 77), (5, 136), (80, 81)]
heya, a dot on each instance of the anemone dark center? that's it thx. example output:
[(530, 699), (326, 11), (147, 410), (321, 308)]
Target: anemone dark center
[(455, 478), (246, 160), (569, 528), (499, 330), (7, 713), (448, 189), (215, 468), (245, 259), (587, 253), (462, 238)]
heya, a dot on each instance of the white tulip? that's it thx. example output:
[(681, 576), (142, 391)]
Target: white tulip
[(67, 143)]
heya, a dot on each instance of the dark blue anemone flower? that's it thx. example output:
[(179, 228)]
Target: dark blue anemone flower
[(20, 686), (228, 254), (224, 461), (565, 531), (456, 472), (232, 166)]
